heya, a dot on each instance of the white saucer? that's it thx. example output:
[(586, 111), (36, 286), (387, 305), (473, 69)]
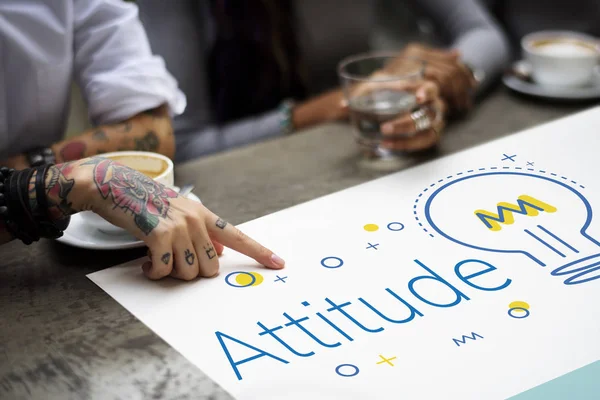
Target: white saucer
[(549, 92), (79, 234)]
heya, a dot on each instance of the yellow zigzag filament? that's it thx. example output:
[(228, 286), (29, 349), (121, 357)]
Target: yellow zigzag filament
[(526, 205)]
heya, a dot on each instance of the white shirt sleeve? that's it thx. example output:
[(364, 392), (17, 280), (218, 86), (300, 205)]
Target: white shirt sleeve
[(114, 65)]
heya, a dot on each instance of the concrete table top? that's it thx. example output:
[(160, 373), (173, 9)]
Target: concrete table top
[(61, 337)]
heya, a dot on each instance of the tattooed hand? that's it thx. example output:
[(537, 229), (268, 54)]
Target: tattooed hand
[(183, 237)]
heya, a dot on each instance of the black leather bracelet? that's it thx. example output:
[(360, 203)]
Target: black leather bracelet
[(21, 220), (5, 174), (27, 215), (40, 186)]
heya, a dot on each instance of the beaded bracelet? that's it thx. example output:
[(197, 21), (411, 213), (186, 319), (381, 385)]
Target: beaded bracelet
[(286, 122), (21, 221), (14, 211)]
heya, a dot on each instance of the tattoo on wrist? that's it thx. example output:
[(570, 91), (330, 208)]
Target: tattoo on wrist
[(166, 258), (221, 223), (58, 188), (149, 142), (73, 151), (100, 136), (132, 192), (210, 251), (189, 257)]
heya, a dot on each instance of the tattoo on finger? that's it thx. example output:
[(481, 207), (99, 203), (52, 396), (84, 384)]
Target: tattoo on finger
[(221, 223), (189, 257), (166, 258), (210, 251)]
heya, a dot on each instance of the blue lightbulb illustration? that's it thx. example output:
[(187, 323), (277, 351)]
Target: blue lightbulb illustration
[(541, 215)]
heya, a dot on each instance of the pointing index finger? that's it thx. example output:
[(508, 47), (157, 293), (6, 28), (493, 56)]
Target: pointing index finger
[(235, 239)]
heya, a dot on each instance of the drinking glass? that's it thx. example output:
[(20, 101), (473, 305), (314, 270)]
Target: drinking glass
[(376, 94)]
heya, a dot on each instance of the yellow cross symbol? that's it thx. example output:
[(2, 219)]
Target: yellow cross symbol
[(386, 360)]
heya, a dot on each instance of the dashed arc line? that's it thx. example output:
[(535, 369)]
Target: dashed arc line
[(480, 169)]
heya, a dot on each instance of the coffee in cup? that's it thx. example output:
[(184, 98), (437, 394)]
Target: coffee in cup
[(148, 164), (561, 58)]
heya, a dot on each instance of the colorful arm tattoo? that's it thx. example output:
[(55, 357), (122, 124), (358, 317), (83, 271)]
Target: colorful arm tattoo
[(132, 192), (148, 131)]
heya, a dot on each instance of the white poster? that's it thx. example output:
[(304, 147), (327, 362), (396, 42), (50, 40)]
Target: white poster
[(476, 276)]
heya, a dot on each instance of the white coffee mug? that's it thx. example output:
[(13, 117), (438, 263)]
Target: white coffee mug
[(156, 166), (561, 58)]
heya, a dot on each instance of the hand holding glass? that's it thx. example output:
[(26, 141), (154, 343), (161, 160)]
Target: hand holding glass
[(391, 111)]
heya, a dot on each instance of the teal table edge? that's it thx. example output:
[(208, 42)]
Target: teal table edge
[(581, 384)]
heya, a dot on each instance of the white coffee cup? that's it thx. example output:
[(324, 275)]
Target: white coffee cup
[(561, 58), (153, 165)]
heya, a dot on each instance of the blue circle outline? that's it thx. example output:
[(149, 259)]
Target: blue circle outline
[(240, 272), (519, 308), (356, 370), (332, 257), (395, 230), (583, 230)]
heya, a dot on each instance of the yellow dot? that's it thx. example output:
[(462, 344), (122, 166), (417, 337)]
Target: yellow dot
[(259, 278), (519, 304), (245, 279), (370, 227)]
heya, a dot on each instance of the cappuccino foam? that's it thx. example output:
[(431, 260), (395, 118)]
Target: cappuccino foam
[(566, 49)]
